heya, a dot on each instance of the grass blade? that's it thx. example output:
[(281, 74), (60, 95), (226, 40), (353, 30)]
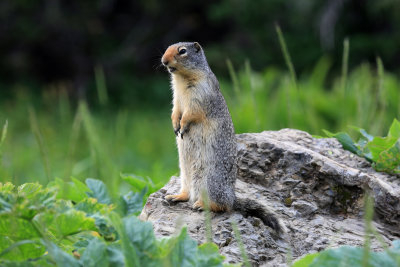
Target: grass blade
[(345, 65), (234, 77), (39, 139), (368, 216), (101, 85), (245, 258), (286, 55), (207, 216), (3, 136)]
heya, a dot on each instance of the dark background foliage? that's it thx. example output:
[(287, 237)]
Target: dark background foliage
[(47, 42)]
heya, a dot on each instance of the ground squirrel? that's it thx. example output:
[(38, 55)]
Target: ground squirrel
[(205, 136)]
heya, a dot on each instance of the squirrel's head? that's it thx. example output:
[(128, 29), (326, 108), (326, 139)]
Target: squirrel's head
[(185, 58)]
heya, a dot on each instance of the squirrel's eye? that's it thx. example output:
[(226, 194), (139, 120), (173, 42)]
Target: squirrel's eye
[(182, 51)]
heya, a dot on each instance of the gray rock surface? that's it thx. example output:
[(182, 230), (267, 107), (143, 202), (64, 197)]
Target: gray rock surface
[(314, 186)]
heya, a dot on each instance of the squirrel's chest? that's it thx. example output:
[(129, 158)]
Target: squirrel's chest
[(185, 96)]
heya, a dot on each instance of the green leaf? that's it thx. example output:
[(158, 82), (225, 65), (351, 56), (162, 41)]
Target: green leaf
[(394, 252), (75, 190), (396, 245), (208, 256), (16, 228), (306, 260), (115, 255), (29, 190), (20, 250), (95, 254), (90, 206), (72, 222), (129, 251), (105, 228), (6, 188), (99, 190), (183, 249), (389, 160), (133, 202), (351, 257), (61, 258), (380, 144), (41, 262), (138, 182), (394, 130), (140, 234), (345, 140), (5, 207), (363, 132)]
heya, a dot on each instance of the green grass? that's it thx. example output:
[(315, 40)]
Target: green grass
[(56, 139), (269, 100), (48, 136)]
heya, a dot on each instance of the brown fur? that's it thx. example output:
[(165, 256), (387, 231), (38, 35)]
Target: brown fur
[(170, 53), (217, 208), (188, 118), (207, 146), (183, 196)]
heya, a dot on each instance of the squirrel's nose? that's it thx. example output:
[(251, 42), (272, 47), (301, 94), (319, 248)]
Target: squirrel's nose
[(164, 62)]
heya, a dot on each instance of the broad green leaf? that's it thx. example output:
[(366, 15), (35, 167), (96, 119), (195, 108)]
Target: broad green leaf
[(95, 254), (345, 140), (306, 260), (394, 252), (128, 249), (5, 207), (131, 242), (98, 190), (138, 182), (42, 262), (115, 256), (90, 206), (16, 229), (29, 190), (389, 159), (140, 234), (75, 190), (133, 202), (208, 256), (183, 249), (60, 257), (6, 188), (363, 132), (380, 144), (347, 256), (72, 222), (394, 130), (31, 199), (396, 245), (21, 250)]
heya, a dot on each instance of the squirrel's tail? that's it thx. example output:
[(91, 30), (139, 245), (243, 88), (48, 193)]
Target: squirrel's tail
[(250, 207)]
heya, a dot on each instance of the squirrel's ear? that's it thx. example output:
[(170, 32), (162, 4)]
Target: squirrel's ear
[(197, 46)]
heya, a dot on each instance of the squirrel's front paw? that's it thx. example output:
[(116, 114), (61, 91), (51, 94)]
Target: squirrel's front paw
[(176, 122), (176, 129), (184, 129)]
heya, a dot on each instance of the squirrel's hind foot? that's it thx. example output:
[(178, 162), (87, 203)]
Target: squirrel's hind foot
[(184, 196), (198, 205)]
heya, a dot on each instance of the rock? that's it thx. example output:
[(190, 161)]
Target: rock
[(314, 186)]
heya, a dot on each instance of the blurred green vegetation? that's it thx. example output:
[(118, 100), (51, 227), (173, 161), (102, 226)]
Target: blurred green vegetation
[(48, 136), (60, 41)]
